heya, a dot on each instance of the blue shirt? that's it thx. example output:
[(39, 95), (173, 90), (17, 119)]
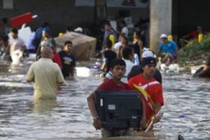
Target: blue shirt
[(169, 47)]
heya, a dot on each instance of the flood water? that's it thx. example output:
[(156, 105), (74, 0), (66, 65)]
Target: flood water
[(186, 110)]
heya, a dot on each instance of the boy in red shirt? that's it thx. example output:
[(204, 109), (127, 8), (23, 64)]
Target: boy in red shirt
[(117, 67), (151, 90)]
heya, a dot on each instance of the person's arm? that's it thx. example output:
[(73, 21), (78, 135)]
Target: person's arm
[(92, 108), (143, 120), (38, 52), (159, 102), (140, 44), (158, 114), (60, 79), (104, 64), (103, 67), (30, 76)]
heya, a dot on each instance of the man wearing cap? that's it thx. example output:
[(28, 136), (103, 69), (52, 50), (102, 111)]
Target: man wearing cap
[(150, 89), (137, 69), (169, 50)]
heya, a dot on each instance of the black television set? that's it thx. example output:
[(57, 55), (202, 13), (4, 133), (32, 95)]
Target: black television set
[(119, 109)]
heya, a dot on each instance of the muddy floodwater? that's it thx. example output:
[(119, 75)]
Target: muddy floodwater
[(186, 110)]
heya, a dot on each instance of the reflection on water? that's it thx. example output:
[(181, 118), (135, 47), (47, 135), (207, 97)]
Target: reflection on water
[(186, 110), (44, 106)]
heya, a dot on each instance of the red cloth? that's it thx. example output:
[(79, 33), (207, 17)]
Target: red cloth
[(21, 19), (111, 85), (152, 87), (57, 59), (194, 35)]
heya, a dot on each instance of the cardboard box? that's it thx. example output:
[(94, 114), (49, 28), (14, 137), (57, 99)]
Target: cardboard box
[(84, 46)]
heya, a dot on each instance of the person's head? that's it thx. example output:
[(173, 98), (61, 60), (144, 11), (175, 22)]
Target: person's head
[(148, 66), (128, 53), (164, 38), (14, 32), (199, 29), (45, 24), (68, 45), (136, 34), (117, 67), (46, 52), (108, 44), (122, 23), (107, 26), (48, 44), (46, 32), (124, 40)]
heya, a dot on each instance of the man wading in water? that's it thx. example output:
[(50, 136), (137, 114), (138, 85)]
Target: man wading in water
[(117, 68), (46, 75)]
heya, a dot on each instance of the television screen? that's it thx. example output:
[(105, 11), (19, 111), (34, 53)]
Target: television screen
[(119, 109)]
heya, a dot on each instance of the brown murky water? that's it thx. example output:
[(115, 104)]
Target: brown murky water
[(186, 110)]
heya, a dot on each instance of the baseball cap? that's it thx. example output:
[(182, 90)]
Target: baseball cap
[(163, 36), (147, 53), (47, 30), (148, 60)]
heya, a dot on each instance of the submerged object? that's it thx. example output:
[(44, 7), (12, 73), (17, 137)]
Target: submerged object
[(83, 72), (180, 137), (172, 68)]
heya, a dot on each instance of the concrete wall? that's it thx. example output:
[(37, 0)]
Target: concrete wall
[(61, 13), (186, 14)]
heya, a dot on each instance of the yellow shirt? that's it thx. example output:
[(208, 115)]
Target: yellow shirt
[(46, 76)]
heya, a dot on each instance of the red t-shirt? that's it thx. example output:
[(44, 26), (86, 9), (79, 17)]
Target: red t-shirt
[(152, 87), (57, 59), (111, 85)]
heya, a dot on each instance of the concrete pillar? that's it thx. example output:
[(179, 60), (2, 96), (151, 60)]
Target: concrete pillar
[(160, 21)]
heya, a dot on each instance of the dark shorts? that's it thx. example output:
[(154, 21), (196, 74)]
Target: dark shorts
[(115, 133)]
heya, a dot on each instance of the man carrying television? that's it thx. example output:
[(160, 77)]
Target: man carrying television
[(151, 90), (117, 68)]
